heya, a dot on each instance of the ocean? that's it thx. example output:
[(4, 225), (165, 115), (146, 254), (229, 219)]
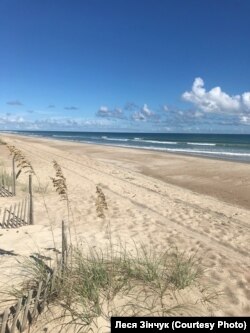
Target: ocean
[(224, 146)]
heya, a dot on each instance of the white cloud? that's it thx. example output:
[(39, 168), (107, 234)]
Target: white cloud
[(245, 120), (138, 116), (215, 100), (104, 111), (118, 111), (198, 114), (246, 99), (8, 119), (142, 114), (146, 111), (17, 122)]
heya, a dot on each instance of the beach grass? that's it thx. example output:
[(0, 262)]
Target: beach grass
[(5, 177), (97, 283)]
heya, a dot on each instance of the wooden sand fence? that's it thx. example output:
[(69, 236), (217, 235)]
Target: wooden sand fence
[(24, 313), (19, 214), (8, 182)]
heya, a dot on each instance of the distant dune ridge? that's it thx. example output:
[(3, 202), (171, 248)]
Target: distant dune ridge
[(166, 201)]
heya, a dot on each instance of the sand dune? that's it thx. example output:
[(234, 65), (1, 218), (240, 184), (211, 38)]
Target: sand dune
[(198, 205)]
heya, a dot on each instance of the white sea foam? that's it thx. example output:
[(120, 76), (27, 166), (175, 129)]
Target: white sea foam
[(189, 151), (157, 142), (204, 152), (64, 136), (114, 139), (201, 144)]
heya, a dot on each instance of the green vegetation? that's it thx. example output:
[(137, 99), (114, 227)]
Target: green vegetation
[(5, 178), (99, 283)]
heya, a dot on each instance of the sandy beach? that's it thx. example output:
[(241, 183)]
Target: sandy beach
[(163, 200)]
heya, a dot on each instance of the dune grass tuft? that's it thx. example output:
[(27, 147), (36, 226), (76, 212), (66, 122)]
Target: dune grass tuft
[(59, 182), (22, 162), (101, 204), (183, 271), (98, 283), (5, 177)]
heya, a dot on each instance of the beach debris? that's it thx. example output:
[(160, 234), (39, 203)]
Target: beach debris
[(101, 204)]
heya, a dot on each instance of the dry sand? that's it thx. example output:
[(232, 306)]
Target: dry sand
[(163, 200)]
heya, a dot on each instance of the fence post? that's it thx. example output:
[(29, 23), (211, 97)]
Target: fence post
[(31, 218), (64, 247), (14, 177)]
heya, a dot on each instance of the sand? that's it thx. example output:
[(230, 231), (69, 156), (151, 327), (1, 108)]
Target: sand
[(163, 200)]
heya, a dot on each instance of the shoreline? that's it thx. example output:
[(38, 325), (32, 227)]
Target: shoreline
[(204, 156), (226, 180)]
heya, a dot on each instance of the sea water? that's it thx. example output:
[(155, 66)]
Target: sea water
[(224, 146)]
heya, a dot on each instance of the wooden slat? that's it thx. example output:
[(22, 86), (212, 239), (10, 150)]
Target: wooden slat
[(4, 216), (64, 247), (31, 217), (4, 178), (45, 292), (24, 211), (27, 307), (37, 299), (18, 213), (53, 280), (18, 308), (21, 214), (5, 320), (8, 221), (4, 192), (26, 311), (14, 224), (13, 177)]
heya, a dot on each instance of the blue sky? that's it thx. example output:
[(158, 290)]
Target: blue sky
[(125, 65)]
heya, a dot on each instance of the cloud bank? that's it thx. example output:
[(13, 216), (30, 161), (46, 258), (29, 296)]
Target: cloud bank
[(215, 100), (105, 112), (213, 110), (14, 122)]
